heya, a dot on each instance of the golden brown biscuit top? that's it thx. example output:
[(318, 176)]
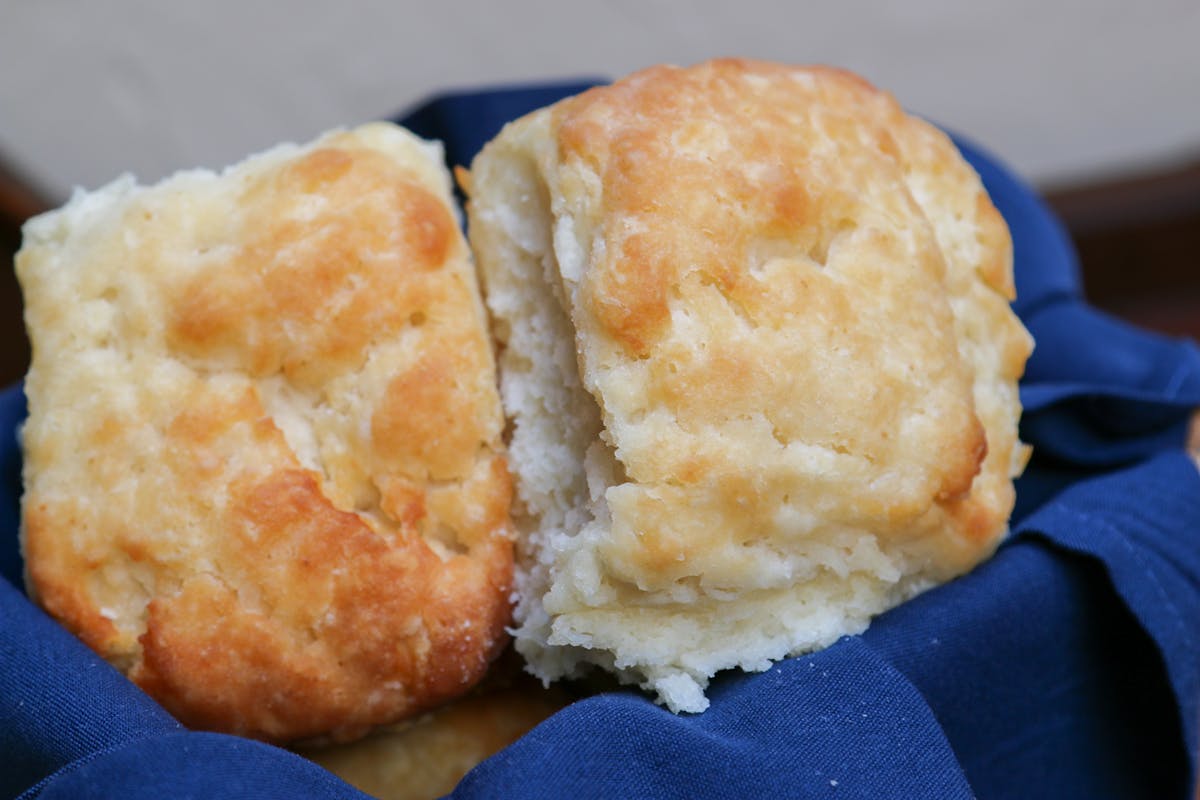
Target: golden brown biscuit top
[(263, 464), (790, 304)]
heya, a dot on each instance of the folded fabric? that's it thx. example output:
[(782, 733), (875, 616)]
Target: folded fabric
[(1067, 666)]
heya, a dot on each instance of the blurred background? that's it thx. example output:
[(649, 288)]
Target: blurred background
[(1097, 103)]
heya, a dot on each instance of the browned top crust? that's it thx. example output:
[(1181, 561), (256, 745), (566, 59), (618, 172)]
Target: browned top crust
[(263, 465), (783, 251)]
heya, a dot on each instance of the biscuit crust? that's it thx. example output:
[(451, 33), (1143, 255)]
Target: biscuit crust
[(263, 466), (789, 306)]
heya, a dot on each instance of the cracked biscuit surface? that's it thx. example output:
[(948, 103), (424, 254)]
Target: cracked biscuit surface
[(760, 362), (263, 467)]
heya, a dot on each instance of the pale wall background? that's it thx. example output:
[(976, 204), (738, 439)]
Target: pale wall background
[(1064, 89)]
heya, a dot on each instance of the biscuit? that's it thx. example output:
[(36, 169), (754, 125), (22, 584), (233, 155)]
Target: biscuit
[(759, 361), (427, 756), (263, 471)]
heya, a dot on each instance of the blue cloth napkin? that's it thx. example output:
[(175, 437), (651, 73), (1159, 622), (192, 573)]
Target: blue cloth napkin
[(1068, 666)]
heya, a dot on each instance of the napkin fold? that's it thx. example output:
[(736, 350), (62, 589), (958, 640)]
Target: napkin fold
[(1066, 666)]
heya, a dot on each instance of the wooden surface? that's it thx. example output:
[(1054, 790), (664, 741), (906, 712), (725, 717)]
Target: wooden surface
[(1139, 244), (18, 201)]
